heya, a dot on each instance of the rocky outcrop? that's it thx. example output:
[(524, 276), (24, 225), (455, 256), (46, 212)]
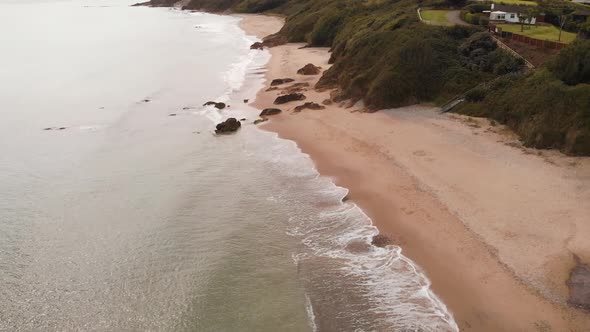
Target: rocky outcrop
[(309, 69), (289, 98), (309, 105), (269, 41), (257, 46), (381, 241), (280, 81), (327, 102), (270, 111), (228, 126), (217, 105), (579, 285)]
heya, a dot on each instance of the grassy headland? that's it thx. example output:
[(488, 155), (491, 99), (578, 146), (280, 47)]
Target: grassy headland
[(385, 56)]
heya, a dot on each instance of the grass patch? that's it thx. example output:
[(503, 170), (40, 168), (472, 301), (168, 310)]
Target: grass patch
[(516, 2), (543, 32), (436, 17)]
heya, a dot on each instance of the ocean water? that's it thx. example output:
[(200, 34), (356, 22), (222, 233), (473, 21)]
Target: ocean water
[(136, 217)]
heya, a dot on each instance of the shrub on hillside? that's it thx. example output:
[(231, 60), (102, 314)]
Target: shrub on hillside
[(258, 6), (572, 66), (325, 30)]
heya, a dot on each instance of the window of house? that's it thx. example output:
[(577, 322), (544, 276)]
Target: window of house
[(512, 15)]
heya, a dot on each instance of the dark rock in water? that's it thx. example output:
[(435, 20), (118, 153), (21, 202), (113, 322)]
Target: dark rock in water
[(146, 100), (228, 126), (246, 101), (146, 3), (48, 128), (579, 285), (280, 81), (309, 105), (172, 114), (257, 46), (62, 128), (309, 69), (270, 111), (288, 98), (381, 241), (272, 88), (358, 247), (243, 119), (257, 121), (186, 108), (216, 104)]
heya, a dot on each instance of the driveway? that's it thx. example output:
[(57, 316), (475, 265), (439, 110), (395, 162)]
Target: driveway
[(454, 18)]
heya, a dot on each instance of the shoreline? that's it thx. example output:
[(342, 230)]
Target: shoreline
[(437, 196)]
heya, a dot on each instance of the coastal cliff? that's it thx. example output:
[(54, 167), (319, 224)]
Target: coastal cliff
[(383, 54)]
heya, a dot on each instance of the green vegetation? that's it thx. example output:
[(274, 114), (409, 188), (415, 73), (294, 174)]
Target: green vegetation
[(516, 2), (543, 32), (437, 17), (549, 108), (382, 54)]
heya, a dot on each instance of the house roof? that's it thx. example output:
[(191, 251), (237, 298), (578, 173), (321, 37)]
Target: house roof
[(510, 8)]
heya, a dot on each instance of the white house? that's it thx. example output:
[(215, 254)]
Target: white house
[(509, 14)]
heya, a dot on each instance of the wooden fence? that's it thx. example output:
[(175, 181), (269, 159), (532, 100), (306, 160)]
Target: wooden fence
[(513, 52), (524, 39)]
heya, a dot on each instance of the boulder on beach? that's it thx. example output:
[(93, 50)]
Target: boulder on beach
[(579, 285), (297, 87), (272, 88), (381, 241), (216, 104), (280, 81), (309, 69), (309, 105), (246, 101), (289, 98), (257, 121), (228, 126), (270, 111)]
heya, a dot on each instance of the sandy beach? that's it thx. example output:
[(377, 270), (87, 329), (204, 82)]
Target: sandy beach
[(494, 226)]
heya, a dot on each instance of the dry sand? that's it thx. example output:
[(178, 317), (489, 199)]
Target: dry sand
[(492, 224)]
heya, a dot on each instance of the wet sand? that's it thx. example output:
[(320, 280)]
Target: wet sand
[(493, 225)]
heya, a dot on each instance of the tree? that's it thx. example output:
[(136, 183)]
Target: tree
[(531, 13), (563, 17), (522, 18)]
